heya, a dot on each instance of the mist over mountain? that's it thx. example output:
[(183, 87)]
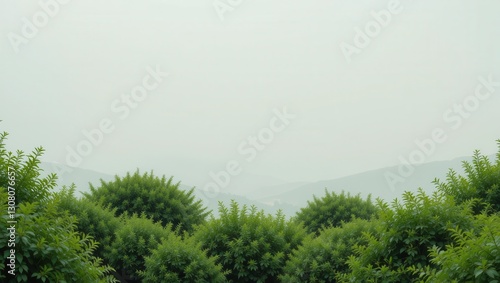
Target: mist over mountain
[(272, 194), (250, 141)]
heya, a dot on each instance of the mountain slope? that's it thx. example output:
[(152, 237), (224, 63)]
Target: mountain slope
[(290, 197), (372, 182), (83, 177)]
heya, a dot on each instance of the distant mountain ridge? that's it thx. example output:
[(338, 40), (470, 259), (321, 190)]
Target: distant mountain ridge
[(82, 178), (288, 197), (374, 183)]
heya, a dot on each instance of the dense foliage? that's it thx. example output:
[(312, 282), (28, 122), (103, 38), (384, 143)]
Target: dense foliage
[(481, 181), (47, 247), (333, 209), (321, 259), (93, 220), (178, 260), (159, 199), (133, 242), (30, 186), (407, 231), (251, 246), (49, 250), (475, 256), (450, 236)]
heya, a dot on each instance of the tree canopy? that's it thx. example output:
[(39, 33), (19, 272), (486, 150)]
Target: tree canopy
[(332, 209), (160, 199), (250, 245)]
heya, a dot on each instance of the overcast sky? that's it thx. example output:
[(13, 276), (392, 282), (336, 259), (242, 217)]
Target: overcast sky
[(362, 81)]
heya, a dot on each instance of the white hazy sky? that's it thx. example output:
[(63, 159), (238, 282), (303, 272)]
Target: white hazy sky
[(226, 77)]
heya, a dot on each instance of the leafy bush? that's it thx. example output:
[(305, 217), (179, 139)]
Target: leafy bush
[(333, 209), (474, 258), (407, 232), (30, 186), (251, 246), (48, 249), (47, 246), (94, 220), (133, 242), (320, 259), (176, 260), (160, 199), (481, 181)]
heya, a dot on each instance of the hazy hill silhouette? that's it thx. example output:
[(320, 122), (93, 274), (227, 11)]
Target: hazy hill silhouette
[(290, 197)]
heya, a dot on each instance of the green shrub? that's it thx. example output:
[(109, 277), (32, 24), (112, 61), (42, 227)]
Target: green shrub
[(93, 219), (30, 186), (47, 246), (133, 242), (481, 181), (251, 246), (160, 199), (474, 258), (407, 232), (320, 259), (176, 260), (333, 209)]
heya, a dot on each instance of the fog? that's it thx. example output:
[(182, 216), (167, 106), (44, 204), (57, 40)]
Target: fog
[(291, 90)]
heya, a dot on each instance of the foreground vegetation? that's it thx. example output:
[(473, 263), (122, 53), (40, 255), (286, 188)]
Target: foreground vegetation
[(143, 228)]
